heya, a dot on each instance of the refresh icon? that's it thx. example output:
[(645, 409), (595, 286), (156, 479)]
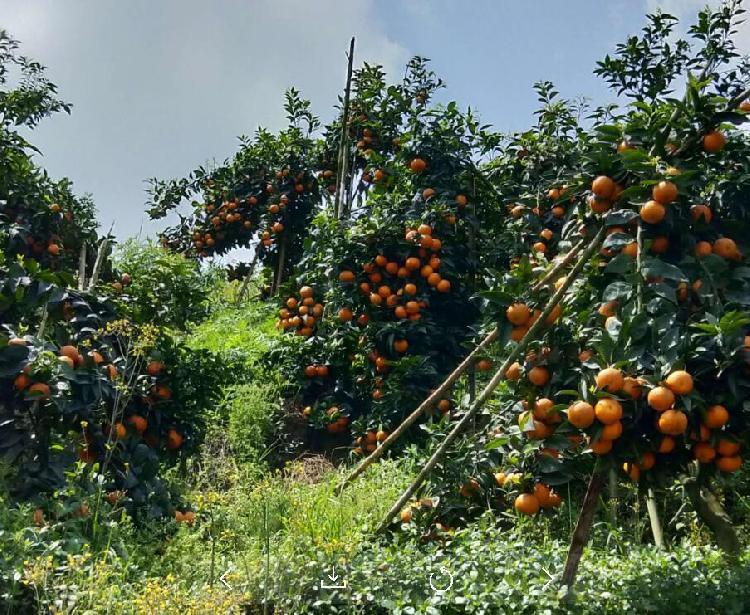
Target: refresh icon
[(438, 584)]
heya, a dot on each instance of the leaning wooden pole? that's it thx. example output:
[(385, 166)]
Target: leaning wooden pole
[(428, 403), (495, 381), (343, 159), (462, 367), (583, 527)]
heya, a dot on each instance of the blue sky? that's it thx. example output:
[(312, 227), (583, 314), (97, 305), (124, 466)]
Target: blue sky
[(159, 87)]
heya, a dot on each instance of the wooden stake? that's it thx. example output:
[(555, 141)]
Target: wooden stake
[(438, 393), (583, 528), (531, 334), (342, 157), (82, 268), (98, 263), (651, 507)]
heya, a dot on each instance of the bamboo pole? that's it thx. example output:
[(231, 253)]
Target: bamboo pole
[(496, 379), (342, 157), (438, 393)]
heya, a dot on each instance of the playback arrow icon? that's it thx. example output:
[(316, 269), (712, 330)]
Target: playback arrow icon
[(223, 579), (333, 577)]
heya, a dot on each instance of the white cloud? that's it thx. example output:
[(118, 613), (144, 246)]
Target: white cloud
[(160, 87)]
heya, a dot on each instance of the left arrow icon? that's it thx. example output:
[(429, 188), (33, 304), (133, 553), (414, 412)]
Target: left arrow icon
[(223, 579)]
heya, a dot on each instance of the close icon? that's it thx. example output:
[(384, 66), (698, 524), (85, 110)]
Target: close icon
[(441, 583)]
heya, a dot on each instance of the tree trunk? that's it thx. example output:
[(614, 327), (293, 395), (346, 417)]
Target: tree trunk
[(653, 516), (712, 513), (583, 528)]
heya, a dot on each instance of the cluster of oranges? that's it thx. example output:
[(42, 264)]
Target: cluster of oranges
[(395, 284), (522, 317), (527, 503), (369, 441), (602, 421), (301, 314), (225, 217)]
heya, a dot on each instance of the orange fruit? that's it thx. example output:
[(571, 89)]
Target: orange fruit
[(701, 213), (542, 408), (633, 470), (703, 248), (401, 346), (518, 333), (526, 504), (444, 286), (612, 431), (660, 398), (345, 314), (608, 410), (632, 387), (542, 493), (539, 376), (154, 368), (174, 439), (603, 187), (601, 447), (666, 445), (417, 165), (610, 379), (673, 422), (21, 382), (39, 389), (598, 205), (660, 245), (500, 478), (321, 371), (680, 382), (484, 365), (461, 200), (406, 515), (514, 372), (727, 447), (727, 249), (729, 464), (664, 192), (139, 423), (714, 141), (716, 416), (653, 212), (581, 414), (518, 313), (648, 460), (347, 276), (120, 431), (704, 452)]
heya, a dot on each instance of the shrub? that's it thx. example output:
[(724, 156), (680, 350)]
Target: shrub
[(164, 286)]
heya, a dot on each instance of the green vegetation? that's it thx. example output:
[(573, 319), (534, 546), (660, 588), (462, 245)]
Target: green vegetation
[(175, 441)]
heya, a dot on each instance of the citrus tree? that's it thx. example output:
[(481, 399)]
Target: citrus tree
[(379, 308), (640, 370), (262, 199), (89, 399)]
